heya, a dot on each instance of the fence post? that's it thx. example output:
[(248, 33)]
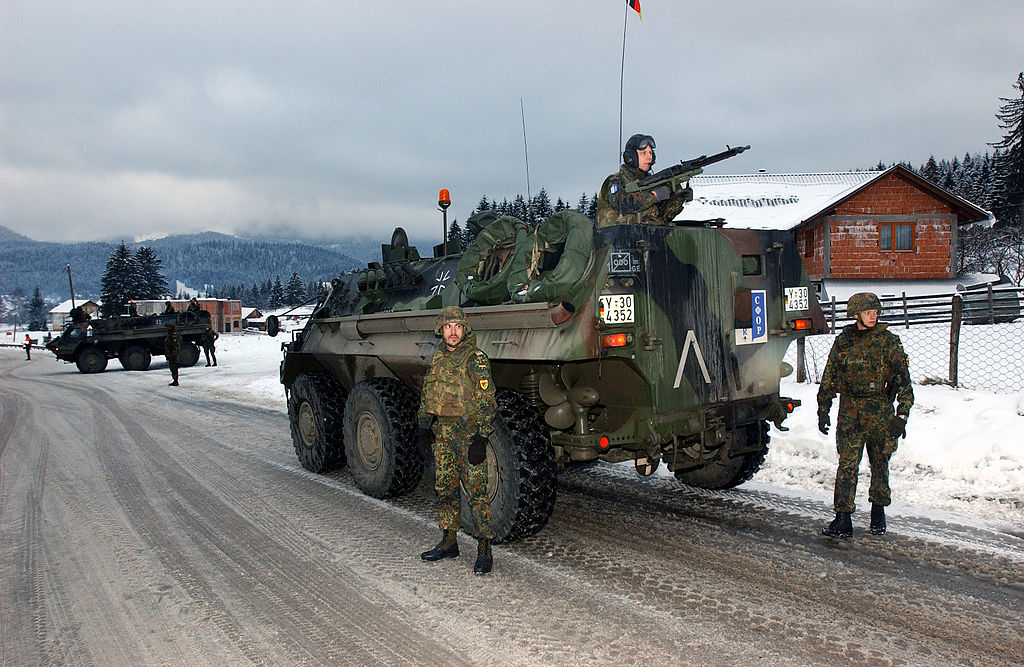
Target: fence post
[(832, 327), (956, 316), (991, 306), (906, 314), (801, 368)]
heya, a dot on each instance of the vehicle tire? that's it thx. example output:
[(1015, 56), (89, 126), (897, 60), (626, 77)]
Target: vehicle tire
[(135, 358), (91, 360), (733, 472), (380, 438), (315, 406), (189, 354), (521, 476)]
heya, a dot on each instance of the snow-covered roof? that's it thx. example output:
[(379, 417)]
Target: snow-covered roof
[(842, 290), (247, 312), (783, 201), (770, 201), (64, 307)]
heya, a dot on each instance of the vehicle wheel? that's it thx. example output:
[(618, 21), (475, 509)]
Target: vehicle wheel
[(135, 358), (733, 472), (315, 406), (521, 476), (91, 360), (380, 438), (189, 354)]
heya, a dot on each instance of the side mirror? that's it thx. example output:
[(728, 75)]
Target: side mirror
[(273, 326)]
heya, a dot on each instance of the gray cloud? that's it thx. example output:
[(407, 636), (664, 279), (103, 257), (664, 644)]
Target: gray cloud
[(344, 119)]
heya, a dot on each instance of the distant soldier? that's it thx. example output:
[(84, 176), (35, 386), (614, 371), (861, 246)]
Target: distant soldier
[(458, 396), (648, 207), (169, 308), (193, 305), (28, 348), (208, 340), (78, 315), (172, 350), (133, 311), (868, 368)]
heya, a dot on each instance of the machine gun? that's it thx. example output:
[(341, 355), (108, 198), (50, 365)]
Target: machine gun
[(677, 175)]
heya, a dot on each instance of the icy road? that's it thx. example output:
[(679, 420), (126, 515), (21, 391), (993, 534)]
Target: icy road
[(144, 524)]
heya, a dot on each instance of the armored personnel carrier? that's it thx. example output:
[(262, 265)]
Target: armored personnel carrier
[(133, 340), (660, 345)]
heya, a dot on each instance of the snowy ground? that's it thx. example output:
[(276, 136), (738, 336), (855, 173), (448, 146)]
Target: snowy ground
[(960, 457)]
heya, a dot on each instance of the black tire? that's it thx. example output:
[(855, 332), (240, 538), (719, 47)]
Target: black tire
[(728, 474), (91, 359), (315, 407), (189, 355), (135, 358), (521, 476), (380, 438)]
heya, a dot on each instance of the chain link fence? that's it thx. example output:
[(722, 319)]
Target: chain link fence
[(971, 340)]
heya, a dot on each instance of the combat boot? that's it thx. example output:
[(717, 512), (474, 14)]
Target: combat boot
[(448, 547), (841, 526), (172, 384), (484, 561), (877, 520)]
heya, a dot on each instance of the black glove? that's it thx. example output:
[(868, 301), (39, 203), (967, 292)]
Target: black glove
[(662, 192), (424, 439), (823, 423), (686, 194), (898, 427), (477, 450)]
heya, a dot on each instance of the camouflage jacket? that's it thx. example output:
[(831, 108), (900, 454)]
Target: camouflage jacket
[(867, 364), (458, 384), (172, 344), (616, 207)]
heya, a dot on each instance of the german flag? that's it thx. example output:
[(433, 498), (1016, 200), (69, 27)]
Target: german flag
[(635, 6)]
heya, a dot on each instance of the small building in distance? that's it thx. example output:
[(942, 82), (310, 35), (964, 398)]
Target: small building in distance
[(60, 315), (225, 314)]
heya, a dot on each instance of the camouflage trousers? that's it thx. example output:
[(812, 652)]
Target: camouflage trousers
[(172, 363), (453, 435), (863, 424)]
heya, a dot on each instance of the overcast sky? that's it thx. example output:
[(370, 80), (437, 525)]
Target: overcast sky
[(339, 119)]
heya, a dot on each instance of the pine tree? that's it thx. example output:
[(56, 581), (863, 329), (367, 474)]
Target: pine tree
[(456, 235), (541, 206), (930, 170), (37, 311), (1008, 195), (294, 291), (117, 282), (150, 282), (276, 299)]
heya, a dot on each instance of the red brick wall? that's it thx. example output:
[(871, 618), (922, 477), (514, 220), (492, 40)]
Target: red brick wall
[(815, 263), (854, 238)]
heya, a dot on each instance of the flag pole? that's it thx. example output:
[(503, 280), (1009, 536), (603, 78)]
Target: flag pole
[(622, 70)]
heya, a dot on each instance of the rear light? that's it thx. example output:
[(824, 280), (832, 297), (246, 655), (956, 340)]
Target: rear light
[(801, 325), (790, 407), (616, 340), (604, 442)]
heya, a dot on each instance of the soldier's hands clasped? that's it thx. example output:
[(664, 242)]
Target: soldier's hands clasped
[(898, 427), (823, 423), (477, 450)]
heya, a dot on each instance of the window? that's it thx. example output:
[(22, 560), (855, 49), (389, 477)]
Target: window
[(896, 236), (808, 243), (751, 265)]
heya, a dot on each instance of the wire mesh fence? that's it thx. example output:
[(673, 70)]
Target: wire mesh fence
[(975, 341)]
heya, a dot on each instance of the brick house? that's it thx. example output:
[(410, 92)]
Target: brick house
[(864, 225)]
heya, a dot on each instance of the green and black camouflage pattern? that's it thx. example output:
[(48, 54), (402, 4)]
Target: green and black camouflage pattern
[(869, 370), (615, 206), (113, 334)]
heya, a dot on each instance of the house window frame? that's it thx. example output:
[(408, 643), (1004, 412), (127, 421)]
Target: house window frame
[(892, 235), (808, 242)]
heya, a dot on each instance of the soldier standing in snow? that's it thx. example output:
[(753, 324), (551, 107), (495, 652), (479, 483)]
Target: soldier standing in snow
[(172, 350), (868, 368), (458, 396), (209, 338), (28, 348), (655, 207)]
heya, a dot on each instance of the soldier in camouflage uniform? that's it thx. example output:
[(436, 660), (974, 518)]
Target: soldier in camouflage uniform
[(172, 350), (654, 207), (869, 369), (458, 396)]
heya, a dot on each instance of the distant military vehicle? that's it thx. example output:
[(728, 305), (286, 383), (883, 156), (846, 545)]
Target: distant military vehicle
[(648, 344), (133, 340)]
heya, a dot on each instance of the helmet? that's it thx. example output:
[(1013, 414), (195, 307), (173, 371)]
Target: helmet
[(170, 325), (449, 315), (862, 301), (635, 143)]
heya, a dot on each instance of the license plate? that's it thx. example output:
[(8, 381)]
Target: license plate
[(796, 298), (617, 309)]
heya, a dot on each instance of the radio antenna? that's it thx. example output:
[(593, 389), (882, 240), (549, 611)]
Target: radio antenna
[(529, 197)]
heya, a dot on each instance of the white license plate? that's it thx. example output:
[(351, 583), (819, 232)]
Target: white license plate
[(796, 298), (617, 309)]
